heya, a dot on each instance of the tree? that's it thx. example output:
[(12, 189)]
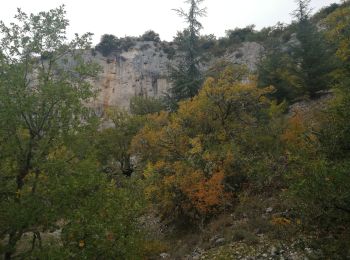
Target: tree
[(195, 160), (50, 178), (113, 143), (299, 67), (110, 43), (107, 44), (313, 59), (338, 34), (240, 35), (277, 68), (145, 105), (150, 36), (186, 77), (336, 132)]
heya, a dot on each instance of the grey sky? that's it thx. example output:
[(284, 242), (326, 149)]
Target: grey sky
[(133, 17)]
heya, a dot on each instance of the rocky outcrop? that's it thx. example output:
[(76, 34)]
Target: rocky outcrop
[(143, 70), (248, 54)]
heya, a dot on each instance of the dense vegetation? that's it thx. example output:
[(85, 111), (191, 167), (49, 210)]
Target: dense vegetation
[(236, 146), (52, 176)]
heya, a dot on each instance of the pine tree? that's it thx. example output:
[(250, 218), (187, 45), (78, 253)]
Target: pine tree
[(186, 77), (311, 54)]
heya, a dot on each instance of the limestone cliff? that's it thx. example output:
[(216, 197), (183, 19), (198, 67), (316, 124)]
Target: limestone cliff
[(143, 70)]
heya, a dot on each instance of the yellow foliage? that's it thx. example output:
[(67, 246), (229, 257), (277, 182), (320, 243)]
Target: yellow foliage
[(338, 31), (59, 153), (188, 154), (153, 247), (280, 221), (81, 243), (196, 145), (297, 134)]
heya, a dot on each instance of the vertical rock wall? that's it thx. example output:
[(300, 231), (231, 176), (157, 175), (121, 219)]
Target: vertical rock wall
[(140, 71), (143, 70)]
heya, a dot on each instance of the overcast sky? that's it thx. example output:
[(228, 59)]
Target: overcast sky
[(133, 17)]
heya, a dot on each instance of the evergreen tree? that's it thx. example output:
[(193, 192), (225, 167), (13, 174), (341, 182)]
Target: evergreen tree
[(311, 55), (186, 77), (277, 68), (299, 67)]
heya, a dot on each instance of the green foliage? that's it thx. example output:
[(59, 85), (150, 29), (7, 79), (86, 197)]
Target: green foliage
[(207, 42), (113, 143), (186, 81), (169, 50), (222, 148), (112, 232), (240, 35), (338, 34), (300, 66), (278, 69), (145, 105), (195, 165), (318, 159), (150, 36), (325, 195), (50, 178), (107, 44), (319, 153), (335, 133), (312, 56), (110, 43), (186, 77), (324, 12)]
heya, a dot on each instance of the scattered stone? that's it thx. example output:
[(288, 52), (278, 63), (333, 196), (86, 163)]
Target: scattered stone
[(269, 210), (257, 231), (308, 250), (220, 241), (274, 251), (164, 255), (213, 238), (197, 253)]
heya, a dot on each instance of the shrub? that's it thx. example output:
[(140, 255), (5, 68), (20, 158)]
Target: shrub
[(145, 105), (194, 164), (150, 36), (110, 43)]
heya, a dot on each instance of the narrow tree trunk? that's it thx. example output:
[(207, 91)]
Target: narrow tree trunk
[(11, 245)]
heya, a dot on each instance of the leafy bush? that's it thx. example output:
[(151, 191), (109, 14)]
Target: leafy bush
[(169, 50), (194, 165), (145, 105), (240, 35), (110, 43), (150, 36)]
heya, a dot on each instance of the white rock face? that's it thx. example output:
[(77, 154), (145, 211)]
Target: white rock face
[(248, 54), (143, 70), (140, 71)]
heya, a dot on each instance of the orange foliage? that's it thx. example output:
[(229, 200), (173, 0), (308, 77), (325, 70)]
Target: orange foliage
[(187, 155), (280, 221), (297, 134), (205, 194)]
